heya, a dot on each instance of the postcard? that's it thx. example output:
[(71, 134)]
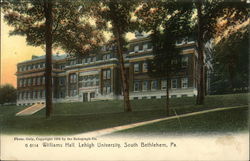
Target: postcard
[(124, 80)]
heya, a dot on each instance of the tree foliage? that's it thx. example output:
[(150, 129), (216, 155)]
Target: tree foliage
[(8, 94), (167, 21), (117, 13), (231, 64), (71, 29), (52, 23)]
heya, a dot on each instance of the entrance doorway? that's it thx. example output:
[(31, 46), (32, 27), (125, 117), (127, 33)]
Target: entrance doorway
[(85, 97)]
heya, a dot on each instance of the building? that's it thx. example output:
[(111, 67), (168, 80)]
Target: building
[(96, 77)]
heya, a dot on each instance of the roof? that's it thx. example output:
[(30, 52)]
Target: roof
[(54, 57)]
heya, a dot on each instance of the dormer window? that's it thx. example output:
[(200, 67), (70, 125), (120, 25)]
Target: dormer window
[(184, 61), (145, 47), (104, 57), (108, 56), (94, 59), (89, 60), (136, 49), (136, 68), (83, 61)]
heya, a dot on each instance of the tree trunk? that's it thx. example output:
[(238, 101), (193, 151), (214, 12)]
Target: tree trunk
[(167, 97), (125, 83), (200, 83), (48, 59), (231, 77)]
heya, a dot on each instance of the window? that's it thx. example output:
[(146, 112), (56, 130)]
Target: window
[(61, 81), (72, 78), (145, 85), (184, 82), (97, 83), (145, 67), (164, 84), (83, 61), (136, 48), (88, 60), (136, 68), (62, 94), (43, 80), (108, 56), (38, 80), (73, 62), (107, 89), (44, 93), (140, 47), (184, 61), (107, 74), (41, 94), (20, 82), (104, 74), (136, 86), (190, 39), (24, 82), (174, 83), (91, 80), (154, 85), (72, 92), (179, 41), (145, 46), (94, 59), (29, 81), (104, 57), (92, 95), (34, 94), (173, 96), (104, 90), (174, 61), (34, 81)]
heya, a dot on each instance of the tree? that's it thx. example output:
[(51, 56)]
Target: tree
[(7, 94), (208, 14), (164, 64), (166, 23), (53, 24), (118, 13), (231, 66)]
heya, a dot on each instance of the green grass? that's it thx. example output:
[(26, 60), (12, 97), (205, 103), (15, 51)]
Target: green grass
[(74, 118), (231, 120), (181, 105)]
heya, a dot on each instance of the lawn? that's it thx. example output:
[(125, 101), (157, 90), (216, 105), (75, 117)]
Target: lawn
[(75, 118), (231, 120), (180, 105)]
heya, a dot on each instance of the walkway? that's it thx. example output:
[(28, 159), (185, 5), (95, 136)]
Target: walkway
[(31, 110), (130, 126)]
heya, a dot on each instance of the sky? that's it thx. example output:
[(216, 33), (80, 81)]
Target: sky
[(13, 50)]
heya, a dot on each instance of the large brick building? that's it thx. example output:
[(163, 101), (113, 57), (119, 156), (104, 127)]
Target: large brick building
[(96, 77)]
